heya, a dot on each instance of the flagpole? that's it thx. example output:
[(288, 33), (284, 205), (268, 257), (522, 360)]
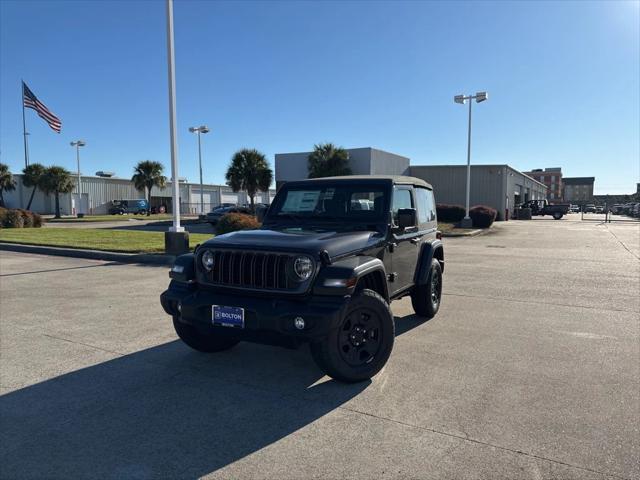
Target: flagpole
[(24, 131)]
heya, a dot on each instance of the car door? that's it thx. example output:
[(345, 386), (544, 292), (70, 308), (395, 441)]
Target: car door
[(405, 242)]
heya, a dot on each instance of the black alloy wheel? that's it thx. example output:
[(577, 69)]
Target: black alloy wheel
[(362, 341), (359, 338)]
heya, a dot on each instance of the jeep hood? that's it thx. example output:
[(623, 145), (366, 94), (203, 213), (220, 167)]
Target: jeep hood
[(298, 240)]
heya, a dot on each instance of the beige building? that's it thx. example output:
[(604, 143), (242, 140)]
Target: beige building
[(578, 190)]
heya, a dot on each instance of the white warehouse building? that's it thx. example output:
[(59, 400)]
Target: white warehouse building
[(98, 192)]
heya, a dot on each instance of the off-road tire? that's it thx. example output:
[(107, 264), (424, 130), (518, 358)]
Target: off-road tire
[(202, 342), (424, 302), (370, 310)]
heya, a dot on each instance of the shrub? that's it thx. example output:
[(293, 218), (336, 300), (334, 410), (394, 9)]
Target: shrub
[(482, 216), (27, 218), (450, 213), (37, 220), (18, 218), (13, 219), (232, 222)]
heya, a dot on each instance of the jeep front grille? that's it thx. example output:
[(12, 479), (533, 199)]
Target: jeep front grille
[(249, 270)]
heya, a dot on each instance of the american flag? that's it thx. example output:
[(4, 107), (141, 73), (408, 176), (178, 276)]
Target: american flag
[(31, 101)]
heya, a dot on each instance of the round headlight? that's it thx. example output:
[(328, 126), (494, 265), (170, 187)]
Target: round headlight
[(302, 268), (207, 260)]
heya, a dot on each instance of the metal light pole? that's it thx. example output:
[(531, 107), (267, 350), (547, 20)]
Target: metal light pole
[(78, 144), (199, 130), (172, 121), (176, 240), (479, 97)]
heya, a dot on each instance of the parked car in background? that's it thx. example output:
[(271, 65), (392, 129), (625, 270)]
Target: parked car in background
[(542, 208), (214, 216), (589, 208), (574, 208), (616, 209), (635, 210), (599, 209), (121, 207)]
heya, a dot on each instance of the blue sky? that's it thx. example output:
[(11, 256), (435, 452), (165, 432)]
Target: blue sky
[(563, 80)]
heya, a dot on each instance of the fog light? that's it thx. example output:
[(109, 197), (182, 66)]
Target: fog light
[(299, 323), (179, 307)]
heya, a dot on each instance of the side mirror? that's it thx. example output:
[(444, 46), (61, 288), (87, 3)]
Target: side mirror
[(406, 217), (261, 212)]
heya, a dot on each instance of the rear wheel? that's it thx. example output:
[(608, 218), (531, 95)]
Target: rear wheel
[(426, 298), (557, 216), (362, 343), (202, 342)]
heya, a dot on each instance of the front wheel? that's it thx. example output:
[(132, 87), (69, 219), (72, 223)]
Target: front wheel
[(362, 343), (202, 342), (426, 298)]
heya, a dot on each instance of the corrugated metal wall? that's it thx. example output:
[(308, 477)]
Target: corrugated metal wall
[(498, 186), (450, 184), (102, 191)]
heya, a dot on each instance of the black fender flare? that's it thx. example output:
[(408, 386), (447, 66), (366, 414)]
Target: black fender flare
[(430, 250), (184, 268), (342, 276)]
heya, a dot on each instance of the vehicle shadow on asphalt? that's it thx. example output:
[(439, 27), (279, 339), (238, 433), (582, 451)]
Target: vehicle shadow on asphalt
[(166, 411)]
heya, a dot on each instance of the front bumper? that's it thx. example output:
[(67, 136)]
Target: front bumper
[(267, 319)]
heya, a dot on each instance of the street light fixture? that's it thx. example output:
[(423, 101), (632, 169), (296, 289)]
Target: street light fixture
[(78, 144), (199, 130), (462, 99)]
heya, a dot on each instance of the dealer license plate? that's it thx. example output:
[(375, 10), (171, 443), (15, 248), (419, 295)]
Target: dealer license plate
[(227, 316)]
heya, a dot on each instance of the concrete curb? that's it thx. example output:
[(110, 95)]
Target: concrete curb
[(149, 258), (472, 233)]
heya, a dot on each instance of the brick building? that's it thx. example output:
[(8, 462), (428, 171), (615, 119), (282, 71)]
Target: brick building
[(552, 178)]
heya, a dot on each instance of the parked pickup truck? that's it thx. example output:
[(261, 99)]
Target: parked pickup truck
[(542, 207)]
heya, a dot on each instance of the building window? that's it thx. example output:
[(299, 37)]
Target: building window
[(553, 178), (551, 196)]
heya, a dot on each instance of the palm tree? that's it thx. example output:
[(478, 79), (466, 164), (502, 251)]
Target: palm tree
[(33, 176), (249, 171), (327, 160), (7, 183), (57, 180), (148, 174)]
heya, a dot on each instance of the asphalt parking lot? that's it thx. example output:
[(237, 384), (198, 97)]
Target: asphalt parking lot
[(530, 370)]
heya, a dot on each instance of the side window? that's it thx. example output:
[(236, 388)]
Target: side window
[(401, 199), (426, 206), (431, 201)]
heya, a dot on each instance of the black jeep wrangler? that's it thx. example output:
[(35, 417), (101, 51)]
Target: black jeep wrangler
[(330, 256)]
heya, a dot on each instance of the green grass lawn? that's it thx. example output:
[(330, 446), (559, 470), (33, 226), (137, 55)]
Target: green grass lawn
[(94, 238), (110, 218)]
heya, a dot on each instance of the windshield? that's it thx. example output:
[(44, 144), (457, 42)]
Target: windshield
[(357, 203)]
